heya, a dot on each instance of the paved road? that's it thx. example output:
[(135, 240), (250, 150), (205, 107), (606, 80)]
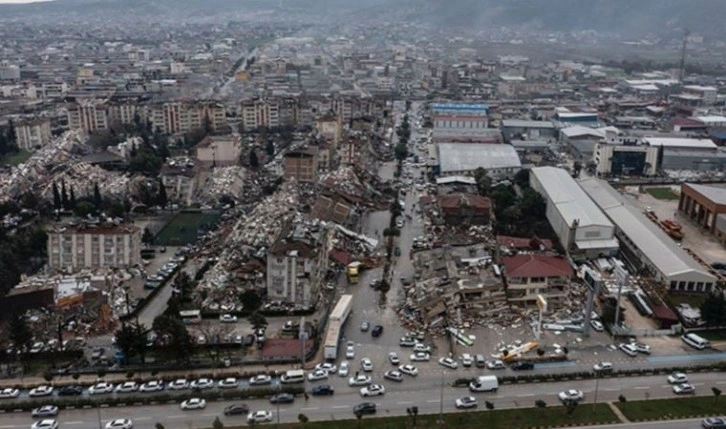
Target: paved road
[(422, 392), (675, 424)]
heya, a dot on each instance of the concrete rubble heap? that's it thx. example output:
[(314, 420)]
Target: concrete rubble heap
[(82, 177), (223, 181)]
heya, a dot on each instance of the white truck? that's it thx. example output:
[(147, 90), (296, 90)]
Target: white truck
[(484, 383), (335, 326)]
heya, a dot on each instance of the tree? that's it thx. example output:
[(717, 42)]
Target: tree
[(12, 137), (622, 399), (540, 404), (483, 181), (251, 300), (713, 310), (359, 416), (97, 200), (257, 320), (72, 201), (570, 407), (174, 335), (56, 198), (716, 393), (270, 148), (401, 151), (254, 162), (48, 376), (64, 195), (540, 352), (83, 209), (302, 418), (207, 124), (217, 424), (490, 407), (521, 179), (131, 340), (147, 237), (161, 198), (20, 333)]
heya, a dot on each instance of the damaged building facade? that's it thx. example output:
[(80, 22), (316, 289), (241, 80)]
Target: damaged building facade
[(73, 247)]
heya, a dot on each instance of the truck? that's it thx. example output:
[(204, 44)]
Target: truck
[(484, 383), (352, 272), (335, 326)]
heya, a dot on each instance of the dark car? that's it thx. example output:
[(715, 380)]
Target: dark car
[(323, 390), (249, 340), (365, 408), (72, 390), (523, 365), (235, 409), (282, 398), (377, 331)]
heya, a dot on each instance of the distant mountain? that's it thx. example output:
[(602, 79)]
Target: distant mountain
[(628, 17)]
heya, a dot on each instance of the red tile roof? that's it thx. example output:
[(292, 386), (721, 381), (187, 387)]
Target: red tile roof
[(340, 256), (536, 266)]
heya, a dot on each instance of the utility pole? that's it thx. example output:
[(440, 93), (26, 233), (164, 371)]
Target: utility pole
[(617, 308), (441, 401)]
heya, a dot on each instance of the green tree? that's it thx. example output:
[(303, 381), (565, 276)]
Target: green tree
[(713, 310), (254, 162), (207, 125), (251, 300), (97, 200), (147, 237), (490, 407), (161, 198), (217, 424), (131, 340), (302, 418), (83, 208), (56, 198), (175, 336), (257, 320), (400, 151), (72, 201), (64, 195), (12, 137), (521, 179), (158, 426), (570, 407), (483, 181), (541, 405), (716, 393), (20, 333), (270, 148)]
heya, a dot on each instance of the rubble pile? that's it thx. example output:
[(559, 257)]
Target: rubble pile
[(34, 172), (223, 181), (82, 177)]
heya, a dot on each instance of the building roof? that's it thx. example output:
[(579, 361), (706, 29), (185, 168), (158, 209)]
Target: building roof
[(569, 199), (466, 180), (713, 193), (456, 201), (524, 243), (536, 266), (520, 123), (713, 119), (459, 108), (470, 156), (675, 142), (657, 247), (579, 130)]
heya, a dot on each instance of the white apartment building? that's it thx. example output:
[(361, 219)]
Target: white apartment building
[(32, 133), (88, 115), (73, 248)]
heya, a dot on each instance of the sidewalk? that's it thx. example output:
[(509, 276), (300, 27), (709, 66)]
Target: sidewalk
[(618, 413)]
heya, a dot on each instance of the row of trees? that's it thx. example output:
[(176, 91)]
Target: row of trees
[(8, 139)]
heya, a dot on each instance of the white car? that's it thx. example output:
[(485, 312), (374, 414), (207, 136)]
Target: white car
[(466, 402), (344, 369), (359, 380), (350, 350), (318, 374), (572, 395), (227, 318), (178, 384), (9, 393), (603, 367), (495, 364), (372, 390), (45, 411), (202, 383), (45, 424), (366, 365), (448, 363), (467, 360), (260, 379), (393, 358), (152, 386), (393, 375), (420, 347), (119, 424), (642, 348), (408, 370), (259, 416), (127, 387), (227, 383), (194, 404), (677, 378), (683, 388), (420, 357), (100, 388), (628, 349), (41, 391), (328, 367), (596, 325)]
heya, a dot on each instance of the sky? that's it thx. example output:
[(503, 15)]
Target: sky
[(19, 1)]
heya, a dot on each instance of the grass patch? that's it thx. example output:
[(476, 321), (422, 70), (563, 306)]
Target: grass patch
[(673, 408), (662, 193), (553, 415), (16, 158), (183, 228), (715, 335)]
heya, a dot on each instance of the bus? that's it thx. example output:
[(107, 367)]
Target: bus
[(191, 317)]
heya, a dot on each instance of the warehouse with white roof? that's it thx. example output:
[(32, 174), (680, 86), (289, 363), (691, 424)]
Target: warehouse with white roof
[(680, 153), (499, 160), (581, 226), (645, 245)]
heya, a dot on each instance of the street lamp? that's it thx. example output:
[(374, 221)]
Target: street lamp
[(597, 387), (279, 388)]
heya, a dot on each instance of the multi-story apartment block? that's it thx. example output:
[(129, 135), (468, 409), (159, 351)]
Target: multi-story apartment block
[(260, 113), (88, 115), (93, 246), (183, 116), (32, 133), (302, 164), (125, 112)]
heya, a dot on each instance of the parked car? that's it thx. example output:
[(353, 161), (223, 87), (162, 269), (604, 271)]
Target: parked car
[(260, 379), (393, 375), (393, 358), (495, 364), (466, 402), (377, 331), (364, 408), (359, 380), (119, 424), (408, 370), (100, 388), (365, 326), (366, 364), (322, 390), (628, 349), (642, 348), (571, 395), (714, 423), (202, 383), (480, 361), (228, 318), (152, 386), (178, 384), (228, 383), (372, 390), (350, 350), (259, 416), (328, 367), (45, 424), (72, 390), (420, 357), (683, 389), (522, 365), (603, 367), (466, 360), (45, 411), (236, 409), (344, 369), (407, 342), (423, 348), (448, 363), (282, 398), (9, 393), (41, 391), (596, 325), (677, 378), (249, 340), (318, 374), (194, 404)]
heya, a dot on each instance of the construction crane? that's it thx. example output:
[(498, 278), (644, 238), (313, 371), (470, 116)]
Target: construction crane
[(683, 56)]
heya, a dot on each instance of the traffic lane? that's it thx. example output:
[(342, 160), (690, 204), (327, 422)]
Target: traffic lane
[(672, 424)]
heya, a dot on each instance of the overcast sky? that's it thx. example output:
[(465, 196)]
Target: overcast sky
[(19, 1)]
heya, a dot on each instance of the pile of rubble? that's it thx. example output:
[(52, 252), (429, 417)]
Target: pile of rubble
[(82, 177), (223, 181)]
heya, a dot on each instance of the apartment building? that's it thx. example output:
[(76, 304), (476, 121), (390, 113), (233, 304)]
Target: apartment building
[(124, 113), (301, 164), (219, 150), (260, 112), (33, 133), (183, 116), (88, 115), (530, 275), (76, 247)]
